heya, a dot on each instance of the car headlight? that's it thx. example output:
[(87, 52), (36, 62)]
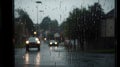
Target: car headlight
[(50, 42), (45, 38), (38, 42), (55, 42), (27, 42), (36, 39)]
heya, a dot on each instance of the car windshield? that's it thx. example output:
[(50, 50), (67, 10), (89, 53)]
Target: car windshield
[(32, 39), (52, 41)]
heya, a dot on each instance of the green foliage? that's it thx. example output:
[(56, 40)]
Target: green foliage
[(83, 23), (53, 25), (20, 45), (49, 25), (25, 19), (45, 23), (23, 27)]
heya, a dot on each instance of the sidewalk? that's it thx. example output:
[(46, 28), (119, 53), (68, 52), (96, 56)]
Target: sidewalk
[(100, 45)]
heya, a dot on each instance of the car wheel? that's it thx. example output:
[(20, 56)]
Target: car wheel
[(27, 49), (38, 48), (49, 45)]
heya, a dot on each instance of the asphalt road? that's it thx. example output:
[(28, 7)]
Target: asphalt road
[(61, 57)]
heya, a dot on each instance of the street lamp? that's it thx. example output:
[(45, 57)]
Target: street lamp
[(38, 2), (35, 33)]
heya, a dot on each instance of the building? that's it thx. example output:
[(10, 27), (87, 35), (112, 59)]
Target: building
[(108, 30), (108, 25)]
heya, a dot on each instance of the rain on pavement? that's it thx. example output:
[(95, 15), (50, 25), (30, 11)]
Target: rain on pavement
[(59, 56)]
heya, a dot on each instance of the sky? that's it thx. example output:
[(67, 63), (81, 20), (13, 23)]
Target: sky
[(57, 9)]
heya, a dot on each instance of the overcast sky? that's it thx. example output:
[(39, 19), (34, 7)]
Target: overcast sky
[(57, 9)]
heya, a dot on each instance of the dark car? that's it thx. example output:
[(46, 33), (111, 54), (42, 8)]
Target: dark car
[(32, 42), (53, 43)]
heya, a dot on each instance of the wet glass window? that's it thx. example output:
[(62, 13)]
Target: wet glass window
[(78, 26)]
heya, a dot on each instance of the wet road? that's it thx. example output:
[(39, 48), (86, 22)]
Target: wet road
[(60, 57)]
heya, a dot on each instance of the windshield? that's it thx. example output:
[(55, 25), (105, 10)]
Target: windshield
[(64, 33), (52, 41), (32, 39)]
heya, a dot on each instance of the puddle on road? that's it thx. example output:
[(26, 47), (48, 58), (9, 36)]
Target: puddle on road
[(57, 49)]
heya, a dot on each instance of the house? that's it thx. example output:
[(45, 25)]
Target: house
[(108, 25), (108, 30)]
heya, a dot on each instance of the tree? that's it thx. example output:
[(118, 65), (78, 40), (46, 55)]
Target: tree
[(25, 19), (96, 14), (50, 26), (45, 23), (53, 26), (83, 24), (23, 26)]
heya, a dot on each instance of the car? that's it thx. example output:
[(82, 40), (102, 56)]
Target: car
[(53, 43), (32, 42)]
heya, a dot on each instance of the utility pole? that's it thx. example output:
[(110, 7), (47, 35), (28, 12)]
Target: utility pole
[(38, 2)]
